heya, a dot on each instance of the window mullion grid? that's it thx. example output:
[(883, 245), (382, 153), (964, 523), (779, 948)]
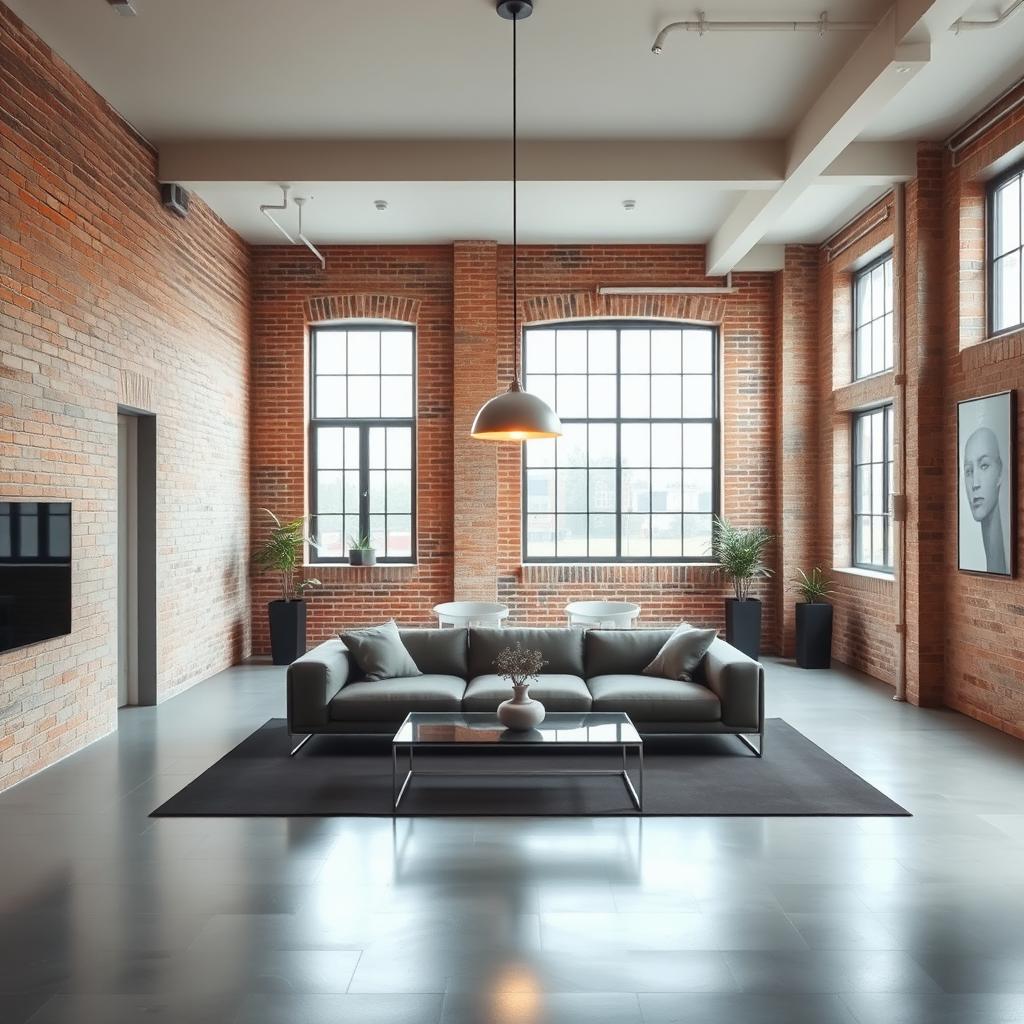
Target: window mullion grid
[(586, 475), (618, 443)]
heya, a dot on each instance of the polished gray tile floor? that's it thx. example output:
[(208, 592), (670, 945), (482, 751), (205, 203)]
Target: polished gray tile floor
[(107, 915)]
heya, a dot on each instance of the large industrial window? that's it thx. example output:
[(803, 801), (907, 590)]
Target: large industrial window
[(634, 476), (1005, 255), (363, 441), (873, 318), (872, 487)]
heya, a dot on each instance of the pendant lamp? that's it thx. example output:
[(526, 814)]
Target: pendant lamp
[(516, 415)]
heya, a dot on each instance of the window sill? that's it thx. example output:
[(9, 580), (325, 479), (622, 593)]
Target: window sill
[(616, 572), (867, 574), (619, 565), (383, 572)]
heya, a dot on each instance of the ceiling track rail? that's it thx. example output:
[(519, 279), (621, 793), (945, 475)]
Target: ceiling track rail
[(838, 242), (990, 116)]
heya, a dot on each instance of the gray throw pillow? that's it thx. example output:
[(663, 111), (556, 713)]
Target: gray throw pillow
[(379, 652), (681, 653)]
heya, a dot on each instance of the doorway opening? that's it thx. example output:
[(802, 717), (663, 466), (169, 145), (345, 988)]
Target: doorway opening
[(136, 558)]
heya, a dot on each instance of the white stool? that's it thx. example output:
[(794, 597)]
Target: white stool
[(470, 613), (613, 614)]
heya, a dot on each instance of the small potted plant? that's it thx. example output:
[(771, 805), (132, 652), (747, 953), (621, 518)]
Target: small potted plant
[(739, 552), (361, 551), (813, 619), (281, 553), (518, 665)]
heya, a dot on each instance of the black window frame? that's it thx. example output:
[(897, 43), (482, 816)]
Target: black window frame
[(859, 275), (888, 420), (715, 420), (363, 424), (991, 187)]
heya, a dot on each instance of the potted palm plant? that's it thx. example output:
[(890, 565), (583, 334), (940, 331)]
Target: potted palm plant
[(813, 619), (739, 552), (281, 553), (361, 551)]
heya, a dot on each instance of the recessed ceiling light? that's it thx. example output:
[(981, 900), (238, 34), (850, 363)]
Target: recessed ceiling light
[(380, 204), (629, 204), (903, 69)]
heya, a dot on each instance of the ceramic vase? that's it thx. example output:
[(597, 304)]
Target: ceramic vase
[(521, 712)]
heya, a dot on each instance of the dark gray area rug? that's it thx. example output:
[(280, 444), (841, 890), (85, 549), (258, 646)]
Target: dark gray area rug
[(684, 776)]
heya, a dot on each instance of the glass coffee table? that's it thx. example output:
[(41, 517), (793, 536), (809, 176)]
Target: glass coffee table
[(568, 730)]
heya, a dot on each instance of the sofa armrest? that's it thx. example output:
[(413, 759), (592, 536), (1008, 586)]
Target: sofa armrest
[(313, 681), (738, 682)]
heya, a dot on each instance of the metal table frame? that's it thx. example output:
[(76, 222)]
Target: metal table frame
[(397, 792)]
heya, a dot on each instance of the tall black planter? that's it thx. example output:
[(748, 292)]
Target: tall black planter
[(287, 631), (743, 625), (814, 635)]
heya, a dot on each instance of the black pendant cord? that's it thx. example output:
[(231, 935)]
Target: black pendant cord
[(515, 233)]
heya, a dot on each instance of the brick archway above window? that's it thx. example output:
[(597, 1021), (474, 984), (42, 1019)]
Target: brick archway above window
[(705, 309), (362, 306)]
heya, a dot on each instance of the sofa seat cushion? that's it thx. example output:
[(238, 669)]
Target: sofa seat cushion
[(386, 700), (650, 699), (556, 692)]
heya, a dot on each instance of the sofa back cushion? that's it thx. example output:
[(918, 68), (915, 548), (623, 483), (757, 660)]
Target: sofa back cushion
[(439, 652), (623, 651), (379, 652), (562, 649)]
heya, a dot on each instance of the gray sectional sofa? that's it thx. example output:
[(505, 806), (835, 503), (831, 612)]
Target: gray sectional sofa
[(586, 670)]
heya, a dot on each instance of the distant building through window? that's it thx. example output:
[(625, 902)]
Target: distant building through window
[(634, 476), (363, 441)]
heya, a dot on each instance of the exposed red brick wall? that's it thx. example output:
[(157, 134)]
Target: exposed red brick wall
[(290, 291), (983, 631), (865, 618), (797, 400), (925, 418), (561, 283), (475, 313), (107, 298), (465, 332)]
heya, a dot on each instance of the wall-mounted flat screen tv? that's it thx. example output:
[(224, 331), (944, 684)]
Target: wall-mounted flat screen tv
[(35, 571)]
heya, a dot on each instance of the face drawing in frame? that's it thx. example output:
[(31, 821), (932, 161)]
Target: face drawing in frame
[(985, 474)]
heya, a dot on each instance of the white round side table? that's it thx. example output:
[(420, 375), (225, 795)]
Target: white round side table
[(470, 613), (614, 614)]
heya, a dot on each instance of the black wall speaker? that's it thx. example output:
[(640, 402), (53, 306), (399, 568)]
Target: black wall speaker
[(174, 197)]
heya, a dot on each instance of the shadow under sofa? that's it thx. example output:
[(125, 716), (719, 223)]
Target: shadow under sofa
[(585, 670)]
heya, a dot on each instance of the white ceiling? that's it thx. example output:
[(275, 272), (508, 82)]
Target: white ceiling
[(231, 70), (414, 69)]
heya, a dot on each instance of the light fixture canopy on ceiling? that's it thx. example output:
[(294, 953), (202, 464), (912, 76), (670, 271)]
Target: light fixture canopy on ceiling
[(516, 415)]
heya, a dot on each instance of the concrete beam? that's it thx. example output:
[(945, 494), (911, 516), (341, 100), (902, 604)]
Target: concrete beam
[(890, 56), (747, 164), (750, 164), (879, 68)]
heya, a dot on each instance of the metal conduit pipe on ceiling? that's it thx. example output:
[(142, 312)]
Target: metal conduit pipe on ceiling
[(822, 25)]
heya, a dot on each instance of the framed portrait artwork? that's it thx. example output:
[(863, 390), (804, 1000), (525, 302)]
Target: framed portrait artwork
[(986, 531)]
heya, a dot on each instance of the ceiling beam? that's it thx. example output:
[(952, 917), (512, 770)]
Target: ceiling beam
[(892, 54), (879, 68), (751, 164)]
